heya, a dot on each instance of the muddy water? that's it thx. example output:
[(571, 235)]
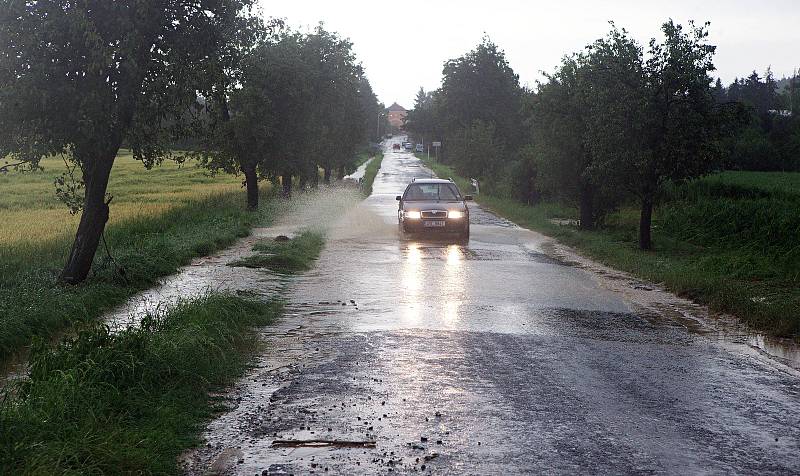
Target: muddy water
[(316, 210), (507, 355), (651, 301)]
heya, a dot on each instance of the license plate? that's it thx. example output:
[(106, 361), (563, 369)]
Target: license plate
[(434, 223)]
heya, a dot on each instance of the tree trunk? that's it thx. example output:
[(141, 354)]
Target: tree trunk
[(303, 182), (93, 220), (286, 181), (327, 175), (340, 173), (586, 206), (645, 222), (251, 182)]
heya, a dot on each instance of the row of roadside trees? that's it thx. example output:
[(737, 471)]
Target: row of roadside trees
[(299, 102), (770, 141), (614, 122), (84, 79)]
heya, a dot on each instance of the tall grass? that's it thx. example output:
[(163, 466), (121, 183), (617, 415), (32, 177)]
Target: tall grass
[(731, 241), (160, 219), (370, 173), (285, 256), (127, 403), (31, 214)]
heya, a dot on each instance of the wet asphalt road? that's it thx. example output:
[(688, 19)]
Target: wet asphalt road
[(411, 355)]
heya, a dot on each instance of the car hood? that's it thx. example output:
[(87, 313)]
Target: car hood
[(433, 205)]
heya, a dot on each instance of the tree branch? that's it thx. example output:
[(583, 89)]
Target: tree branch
[(7, 167)]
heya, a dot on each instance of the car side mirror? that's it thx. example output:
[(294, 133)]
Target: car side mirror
[(398, 198), (467, 197)]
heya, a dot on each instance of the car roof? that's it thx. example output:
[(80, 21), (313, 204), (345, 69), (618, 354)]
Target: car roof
[(434, 180)]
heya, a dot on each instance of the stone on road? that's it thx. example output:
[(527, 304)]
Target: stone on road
[(404, 355)]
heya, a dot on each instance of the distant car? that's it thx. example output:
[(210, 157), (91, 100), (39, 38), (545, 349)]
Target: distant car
[(419, 148), (396, 146), (433, 205), (408, 146)]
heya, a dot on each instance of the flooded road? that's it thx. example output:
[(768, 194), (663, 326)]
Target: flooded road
[(315, 210), (507, 355)]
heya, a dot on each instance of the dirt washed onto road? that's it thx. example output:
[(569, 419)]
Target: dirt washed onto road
[(507, 355)]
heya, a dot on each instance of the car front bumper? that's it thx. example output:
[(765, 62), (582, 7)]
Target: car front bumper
[(451, 225)]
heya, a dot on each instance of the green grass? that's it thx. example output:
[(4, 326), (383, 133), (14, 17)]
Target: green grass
[(128, 403), (370, 173), (731, 241), (788, 182), (32, 215), (160, 220), (285, 256)]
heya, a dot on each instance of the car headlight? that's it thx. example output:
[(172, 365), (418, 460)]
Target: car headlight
[(413, 215), (455, 214)]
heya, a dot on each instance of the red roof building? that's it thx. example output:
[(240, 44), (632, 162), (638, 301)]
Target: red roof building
[(396, 114)]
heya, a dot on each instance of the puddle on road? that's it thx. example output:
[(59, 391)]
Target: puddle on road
[(321, 444), (783, 349), (316, 210), (201, 276), (660, 306)]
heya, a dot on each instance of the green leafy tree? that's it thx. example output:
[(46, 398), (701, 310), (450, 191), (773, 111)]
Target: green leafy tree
[(654, 119), (482, 86), (340, 117), (372, 109), (422, 121), (761, 95), (480, 90), (301, 100), (564, 160), (276, 105), (719, 92), (82, 78), (225, 145), (793, 95)]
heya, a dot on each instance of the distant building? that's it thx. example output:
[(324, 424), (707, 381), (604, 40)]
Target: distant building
[(396, 114)]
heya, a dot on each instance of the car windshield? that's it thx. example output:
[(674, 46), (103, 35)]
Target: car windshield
[(432, 192)]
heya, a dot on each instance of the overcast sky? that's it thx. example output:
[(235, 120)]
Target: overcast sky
[(403, 45)]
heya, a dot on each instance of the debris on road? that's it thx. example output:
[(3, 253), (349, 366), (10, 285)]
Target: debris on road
[(322, 444)]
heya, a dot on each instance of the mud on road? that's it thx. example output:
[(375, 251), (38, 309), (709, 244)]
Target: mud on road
[(507, 355)]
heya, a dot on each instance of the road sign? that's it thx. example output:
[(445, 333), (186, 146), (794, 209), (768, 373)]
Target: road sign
[(437, 144)]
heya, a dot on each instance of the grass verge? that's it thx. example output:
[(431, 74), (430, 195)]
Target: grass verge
[(32, 305), (728, 241), (128, 403), (285, 255), (160, 220), (370, 173)]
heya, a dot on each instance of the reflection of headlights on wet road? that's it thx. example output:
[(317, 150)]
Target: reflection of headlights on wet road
[(413, 215), (453, 255), (455, 214)]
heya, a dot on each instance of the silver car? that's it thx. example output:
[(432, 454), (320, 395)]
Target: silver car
[(435, 206)]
